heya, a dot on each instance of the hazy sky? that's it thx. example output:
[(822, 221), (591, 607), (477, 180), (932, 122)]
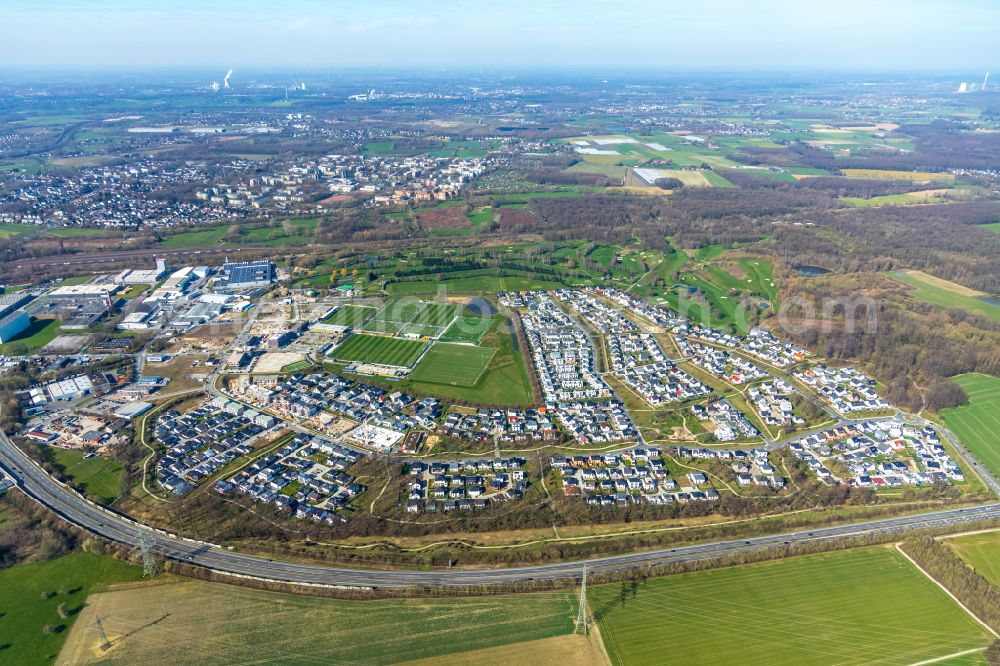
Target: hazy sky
[(883, 35)]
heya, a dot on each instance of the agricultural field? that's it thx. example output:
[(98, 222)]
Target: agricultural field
[(339, 631), (200, 238), (453, 364), (977, 423), (352, 316), (76, 232), (30, 596), (680, 151), (690, 178), (862, 606), (981, 552), (887, 174), (948, 294), (299, 232), (905, 199), (95, 476), (380, 350), (609, 170)]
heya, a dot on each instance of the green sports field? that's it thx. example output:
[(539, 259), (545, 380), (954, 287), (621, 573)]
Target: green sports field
[(400, 310), (862, 606), (977, 423), (381, 326), (375, 349), (467, 328), (350, 315), (982, 552), (436, 314), (421, 330), (457, 365)]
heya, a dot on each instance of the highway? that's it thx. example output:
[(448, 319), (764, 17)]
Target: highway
[(71, 506)]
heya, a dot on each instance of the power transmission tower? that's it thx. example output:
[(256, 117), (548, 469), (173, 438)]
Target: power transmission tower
[(105, 643), (145, 548), (581, 616)]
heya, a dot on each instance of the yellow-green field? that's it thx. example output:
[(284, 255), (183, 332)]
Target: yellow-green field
[(947, 294), (863, 606), (30, 596), (977, 423), (981, 552), (210, 623), (889, 174), (905, 199)]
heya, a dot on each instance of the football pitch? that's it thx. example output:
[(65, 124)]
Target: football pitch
[(467, 328), (376, 349), (457, 365), (400, 310), (421, 330), (436, 314), (976, 423), (408, 316), (863, 606), (350, 315)]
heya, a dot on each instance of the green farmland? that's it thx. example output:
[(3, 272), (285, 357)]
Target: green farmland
[(30, 595), (863, 606), (235, 624), (947, 298), (457, 365), (977, 423), (377, 349), (981, 552)]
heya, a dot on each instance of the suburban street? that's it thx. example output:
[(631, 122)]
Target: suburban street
[(68, 504)]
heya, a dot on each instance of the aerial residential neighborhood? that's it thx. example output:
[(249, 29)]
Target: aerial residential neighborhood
[(412, 333)]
